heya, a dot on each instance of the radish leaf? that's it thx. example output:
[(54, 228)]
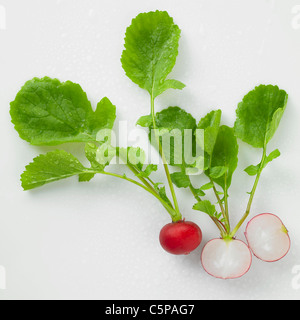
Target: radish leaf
[(147, 172), (207, 186), (180, 179), (53, 166), (259, 115), (48, 112), (145, 121), (163, 195), (206, 207), (224, 155), (91, 154), (177, 119), (254, 170), (210, 124), (151, 49), (217, 172)]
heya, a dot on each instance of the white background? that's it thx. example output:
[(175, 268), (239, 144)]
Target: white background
[(99, 240)]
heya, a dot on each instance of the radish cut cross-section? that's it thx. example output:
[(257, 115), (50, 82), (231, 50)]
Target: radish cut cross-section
[(267, 237), (226, 259)]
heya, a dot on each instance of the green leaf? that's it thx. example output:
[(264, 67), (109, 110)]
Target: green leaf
[(259, 115), (91, 150), (53, 166), (206, 207), (180, 179), (210, 124), (199, 192), (225, 154), (201, 164), (91, 154), (170, 84), (217, 172), (151, 49), (103, 118), (173, 122), (48, 112), (104, 154), (163, 195), (175, 118), (86, 177), (254, 170), (147, 172), (135, 157), (207, 186), (156, 186), (145, 121), (272, 156)]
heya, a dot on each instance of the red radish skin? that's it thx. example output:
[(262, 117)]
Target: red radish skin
[(226, 259), (268, 238), (180, 238)]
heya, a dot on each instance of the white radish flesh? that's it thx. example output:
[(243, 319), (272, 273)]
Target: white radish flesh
[(267, 237), (226, 259)]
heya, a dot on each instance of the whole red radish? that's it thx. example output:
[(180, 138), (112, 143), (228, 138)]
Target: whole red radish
[(268, 237), (180, 237), (226, 258)]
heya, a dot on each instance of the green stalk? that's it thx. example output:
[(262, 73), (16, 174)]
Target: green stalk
[(195, 193), (235, 230), (226, 205), (220, 203), (218, 223), (143, 180), (151, 181), (136, 173), (179, 216), (170, 210)]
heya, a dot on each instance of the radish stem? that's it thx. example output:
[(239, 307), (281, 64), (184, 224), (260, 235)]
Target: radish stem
[(226, 205), (220, 204), (235, 230), (217, 222), (170, 210), (178, 216)]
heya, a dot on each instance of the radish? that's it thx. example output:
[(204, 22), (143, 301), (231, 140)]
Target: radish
[(268, 238), (180, 237), (181, 142), (226, 258)]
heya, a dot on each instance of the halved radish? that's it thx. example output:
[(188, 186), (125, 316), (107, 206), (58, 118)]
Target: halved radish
[(226, 259), (268, 237)]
